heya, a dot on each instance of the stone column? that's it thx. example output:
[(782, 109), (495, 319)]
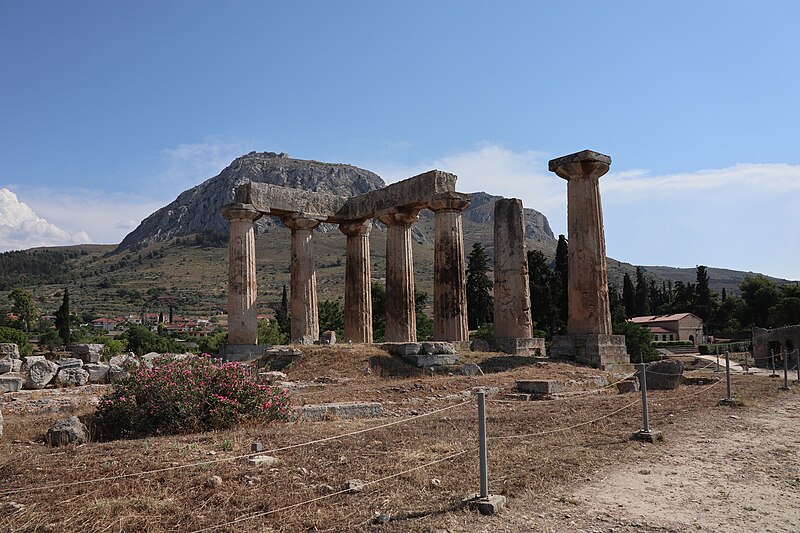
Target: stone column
[(357, 282), (401, 320), (589, 308), (590, 339), (449, 267), (512, 303), (242, 289), (305, 318)]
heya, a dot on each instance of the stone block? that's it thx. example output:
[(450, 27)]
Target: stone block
[(402, 348), (10, 383), (6, 366), (282, 351), (647, 436), (98, 372), (628, 385), (436, 348), (530, 346), (241, 352), (125, 361), (539, 387), (345, 410), (354, 485), (600, 351), (493, 504), (67, 431), (40, 373), (480, 345), (272, 376), (327, 338), (662, 375), (470, 369), (88, 353), (116, 373), (149, 359), (72, 377), (427, 361), (9, 350), (70, 362), (262, 460)]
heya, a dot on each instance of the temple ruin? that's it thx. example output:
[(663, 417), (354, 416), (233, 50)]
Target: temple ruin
[(589, 338), (398, 206)]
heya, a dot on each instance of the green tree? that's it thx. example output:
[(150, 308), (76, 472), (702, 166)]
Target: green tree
[(702, 303), (141, 340), (628, 296), (112, 347), (18, 337), (269, 333), (618, 314), (62, 318), (282, 315), (424, 323), (637, 341), (760, 295), (331, 317), (212, 343), (378, 311), (23, 308), (562, 271), (51, 340), (642, 294), (480, 303), (544, 284)]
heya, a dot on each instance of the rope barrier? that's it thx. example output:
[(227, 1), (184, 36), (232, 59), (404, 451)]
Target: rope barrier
[(564, 398), (225, 459)]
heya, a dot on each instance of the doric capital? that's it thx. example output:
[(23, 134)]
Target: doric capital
[(585, 164), (449, 201), (402, 217), (356, 227), (241, 212), (299, 222)]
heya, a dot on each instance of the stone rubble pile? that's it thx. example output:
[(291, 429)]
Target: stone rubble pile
[(37, 372)]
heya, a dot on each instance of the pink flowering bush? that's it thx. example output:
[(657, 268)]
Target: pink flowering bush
[(195, 394)]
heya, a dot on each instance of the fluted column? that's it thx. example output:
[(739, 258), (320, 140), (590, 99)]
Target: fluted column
[(242, 288), (305, 318), (449, 269), (401, 320), (512, 303), (589, 309), (357, 279)]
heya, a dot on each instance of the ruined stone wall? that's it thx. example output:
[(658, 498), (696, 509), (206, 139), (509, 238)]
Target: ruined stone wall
[(787, 337)]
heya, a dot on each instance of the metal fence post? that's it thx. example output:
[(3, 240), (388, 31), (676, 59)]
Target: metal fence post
[(484, 459), (646, 433)]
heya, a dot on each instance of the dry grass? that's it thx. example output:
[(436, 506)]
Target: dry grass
[(422, 500)]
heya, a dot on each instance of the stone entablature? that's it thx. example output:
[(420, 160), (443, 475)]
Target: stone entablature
[(398, 206)]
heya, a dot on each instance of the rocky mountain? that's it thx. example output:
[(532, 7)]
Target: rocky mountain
[(197, 210)]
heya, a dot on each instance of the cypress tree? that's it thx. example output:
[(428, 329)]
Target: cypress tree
[(628, 296), (62, 318), (480, 302), (562, 272)]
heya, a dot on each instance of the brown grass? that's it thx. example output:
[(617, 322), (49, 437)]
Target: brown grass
[(182, 500)]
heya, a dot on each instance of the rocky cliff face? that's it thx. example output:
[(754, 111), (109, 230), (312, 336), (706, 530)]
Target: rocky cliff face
[(197, 210)]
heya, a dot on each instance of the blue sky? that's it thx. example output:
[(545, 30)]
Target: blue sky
[(108, 110)]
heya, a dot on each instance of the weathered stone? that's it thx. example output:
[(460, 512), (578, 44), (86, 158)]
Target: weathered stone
[(40, 373), (98, 372), (480, 345), (116, 373), (628, 385), (262, 460), (531, 346), (512, 310), (9, 350), (214, 482), (493, 504), (346, 410), (402, 348), (305, 318), (272, 376), (471, 369), (357, 283), (327, 338), (72, 377), (449, 266), (150, 358), (432, 360), (6, 366), (601, 351), (282, 351), (67, 431), (88, 353), (662, 375), (354, 485), (540, 387), (31, 359), (125, 361), (10, 383), (242, 288), (436, 348), (16, 365), (401, 318), (70, 362)]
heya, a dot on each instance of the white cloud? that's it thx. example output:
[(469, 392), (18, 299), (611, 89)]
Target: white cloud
[(22, 228), (189, 164)]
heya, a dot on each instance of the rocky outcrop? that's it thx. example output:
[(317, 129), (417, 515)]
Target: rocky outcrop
[(481, 210), (197, 210), (67, 431)]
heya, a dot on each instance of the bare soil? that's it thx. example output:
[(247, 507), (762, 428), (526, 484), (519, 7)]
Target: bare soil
[(719, 468)]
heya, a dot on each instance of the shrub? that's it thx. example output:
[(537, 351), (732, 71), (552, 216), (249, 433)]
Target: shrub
[(665, 344), (18, 337), (190, 395), (708, 349), (637, 341), (112, 347), (485, 331)]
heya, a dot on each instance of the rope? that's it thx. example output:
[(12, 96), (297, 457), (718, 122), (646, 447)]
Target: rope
[(306, 502), (564, 398), (224, 459)]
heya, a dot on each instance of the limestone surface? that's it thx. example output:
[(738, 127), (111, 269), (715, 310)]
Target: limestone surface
[(40, 373), (67, 431)]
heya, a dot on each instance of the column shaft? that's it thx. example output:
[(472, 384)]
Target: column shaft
[(512, 303), (357, 283), (305, 318), (242, 288), (449, 278), (401, 320)]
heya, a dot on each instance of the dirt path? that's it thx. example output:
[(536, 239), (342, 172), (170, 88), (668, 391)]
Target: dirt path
[(739, 472)]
